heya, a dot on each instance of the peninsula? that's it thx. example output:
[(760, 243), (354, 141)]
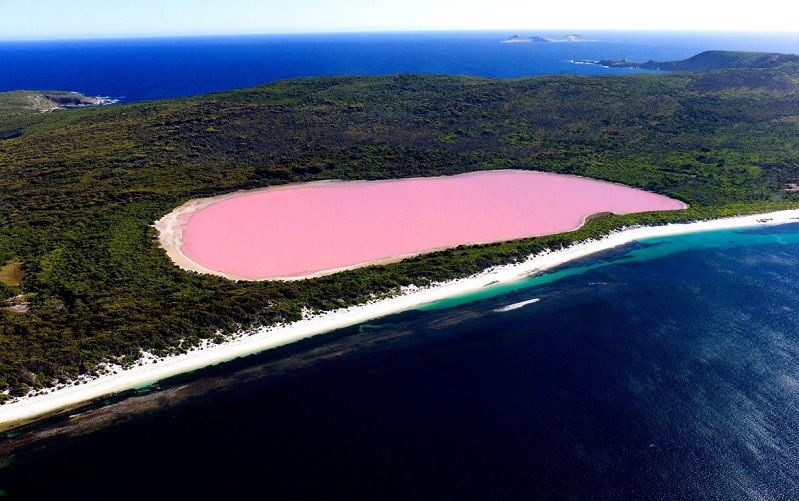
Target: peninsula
[(708, 60), (47, 101)]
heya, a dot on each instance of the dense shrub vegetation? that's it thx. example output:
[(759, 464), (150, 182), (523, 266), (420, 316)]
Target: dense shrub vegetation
[(79, 189)]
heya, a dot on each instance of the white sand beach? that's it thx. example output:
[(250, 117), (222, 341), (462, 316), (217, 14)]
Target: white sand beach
[(153, 369)]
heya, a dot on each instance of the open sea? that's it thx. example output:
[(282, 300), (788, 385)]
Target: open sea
[(138, 69), (664, 369)]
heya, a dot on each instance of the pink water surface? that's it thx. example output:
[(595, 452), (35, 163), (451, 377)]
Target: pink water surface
[(309, 228)]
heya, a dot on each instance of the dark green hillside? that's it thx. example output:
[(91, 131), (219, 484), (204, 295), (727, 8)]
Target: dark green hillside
[(79, 189), (724, 59), (709, 60)]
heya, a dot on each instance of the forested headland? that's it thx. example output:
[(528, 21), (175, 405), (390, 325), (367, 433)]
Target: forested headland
[(80, 188)]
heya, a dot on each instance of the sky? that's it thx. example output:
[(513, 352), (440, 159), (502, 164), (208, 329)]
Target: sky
[(56, 19)]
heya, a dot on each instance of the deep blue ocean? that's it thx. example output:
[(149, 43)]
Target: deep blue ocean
[(664, 369), (138, 69)]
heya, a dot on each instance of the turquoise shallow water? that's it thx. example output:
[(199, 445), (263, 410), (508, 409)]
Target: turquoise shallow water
[(667, 369), (643, 250)]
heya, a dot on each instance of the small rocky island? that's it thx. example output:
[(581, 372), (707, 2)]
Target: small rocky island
[(536, 39)]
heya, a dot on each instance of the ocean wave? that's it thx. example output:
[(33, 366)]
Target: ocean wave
[(516, 306)]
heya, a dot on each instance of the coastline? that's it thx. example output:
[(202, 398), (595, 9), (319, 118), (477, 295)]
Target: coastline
[(152, 369)]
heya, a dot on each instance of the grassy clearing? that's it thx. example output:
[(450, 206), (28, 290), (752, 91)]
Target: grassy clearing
[(12, 273)]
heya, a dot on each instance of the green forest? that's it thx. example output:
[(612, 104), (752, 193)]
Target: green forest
[(87, 282)]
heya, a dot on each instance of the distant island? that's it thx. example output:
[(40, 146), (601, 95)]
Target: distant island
[(537, 39), (708, 60)]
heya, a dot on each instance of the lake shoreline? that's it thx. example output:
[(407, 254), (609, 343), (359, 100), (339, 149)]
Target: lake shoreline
[(432, 214)]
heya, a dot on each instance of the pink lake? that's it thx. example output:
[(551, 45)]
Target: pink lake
[(313, 228)]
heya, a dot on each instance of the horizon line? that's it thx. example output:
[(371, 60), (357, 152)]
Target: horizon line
[(389, 31)]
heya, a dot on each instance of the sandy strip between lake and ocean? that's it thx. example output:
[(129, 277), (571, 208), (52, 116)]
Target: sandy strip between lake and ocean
[(153, 369)]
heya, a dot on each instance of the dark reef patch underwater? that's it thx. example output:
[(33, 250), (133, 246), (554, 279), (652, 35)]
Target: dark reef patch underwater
[(665, 369)]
